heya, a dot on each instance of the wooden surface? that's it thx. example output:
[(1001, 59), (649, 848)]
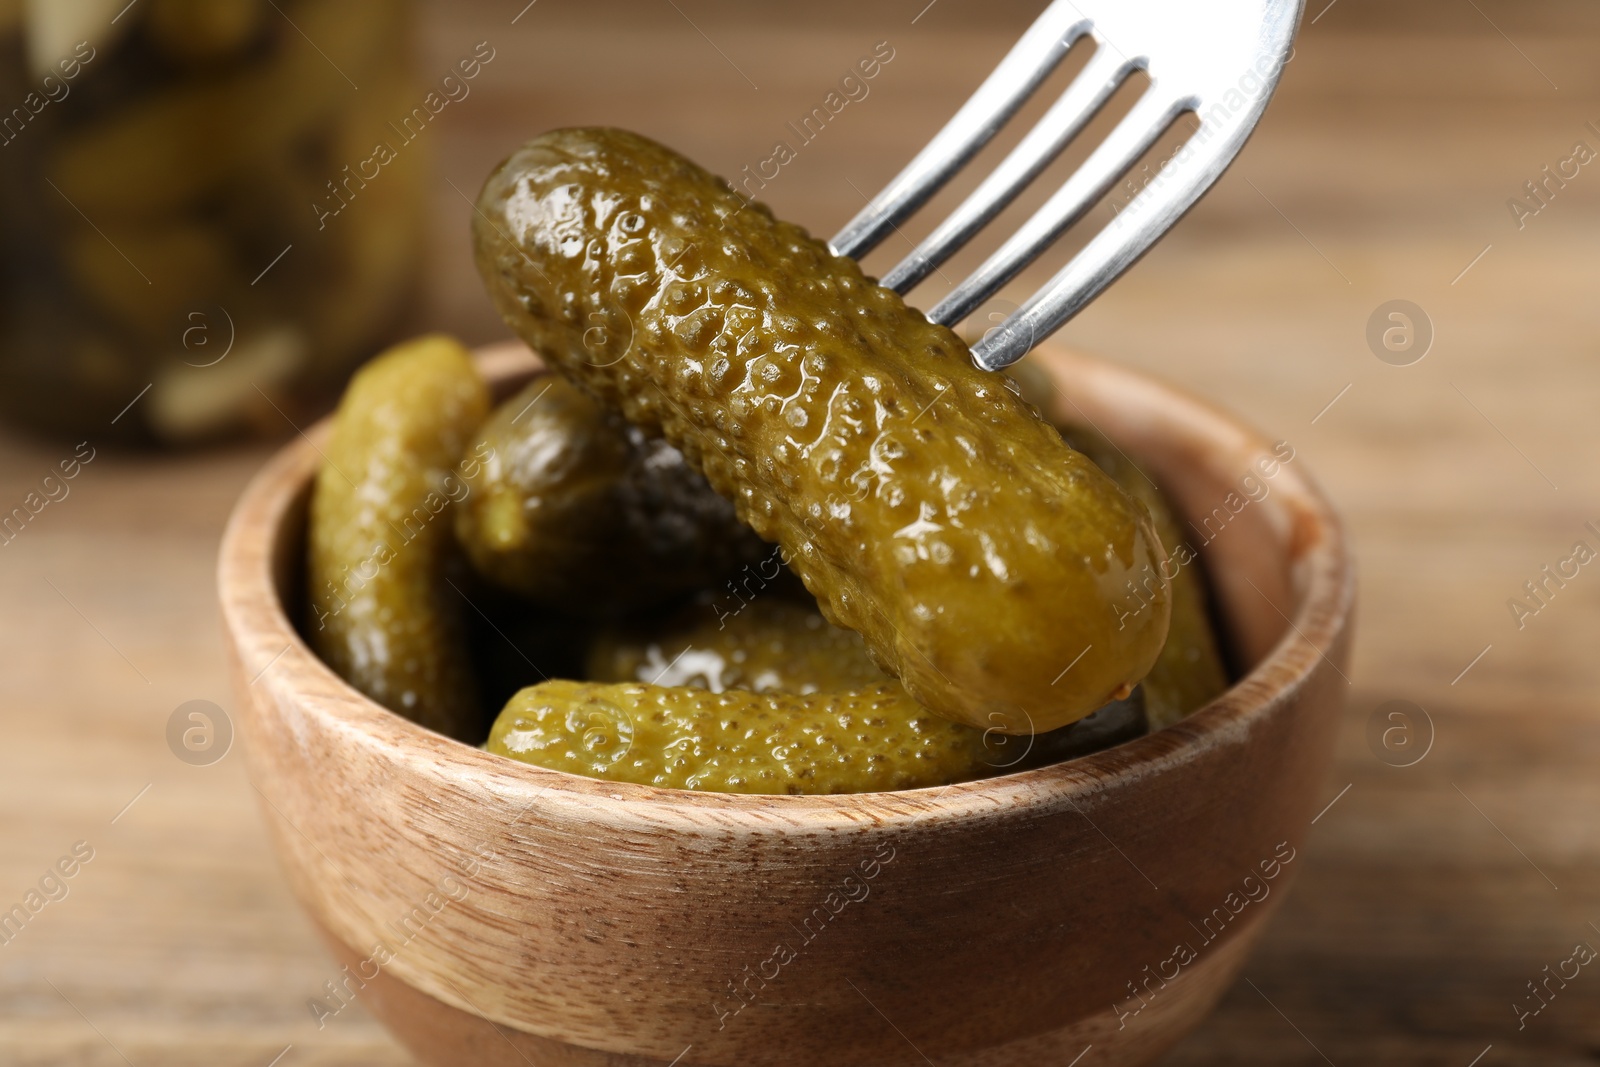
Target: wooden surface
[(1430, 895)]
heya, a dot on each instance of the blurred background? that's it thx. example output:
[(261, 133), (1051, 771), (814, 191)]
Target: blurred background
[(163, 325)]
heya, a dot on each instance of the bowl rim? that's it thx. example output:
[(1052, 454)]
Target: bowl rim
[(262, 639)]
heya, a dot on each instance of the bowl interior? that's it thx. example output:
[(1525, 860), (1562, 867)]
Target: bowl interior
[(1242, 499)]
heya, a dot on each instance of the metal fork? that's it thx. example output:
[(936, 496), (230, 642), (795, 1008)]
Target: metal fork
[(1218, 59)]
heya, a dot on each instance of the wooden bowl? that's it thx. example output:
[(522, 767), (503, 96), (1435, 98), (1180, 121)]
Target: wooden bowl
[(491, 912)]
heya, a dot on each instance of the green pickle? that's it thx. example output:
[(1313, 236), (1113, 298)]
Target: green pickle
[(771, 644), (920, 500), (991, 592), (577, 510), (770, 700), (383, 613), (862, 741), (1190, 671)]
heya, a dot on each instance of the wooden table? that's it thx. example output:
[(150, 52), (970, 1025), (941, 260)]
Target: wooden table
[(1430, 894)]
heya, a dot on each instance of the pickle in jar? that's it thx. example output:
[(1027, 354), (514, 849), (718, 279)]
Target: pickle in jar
[(199, 138)]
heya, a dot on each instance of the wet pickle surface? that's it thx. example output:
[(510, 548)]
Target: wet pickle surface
[(1190, 671), (574, 508), (770, 645), (383, 613), (770, 700), (868, 740), (923, 504)]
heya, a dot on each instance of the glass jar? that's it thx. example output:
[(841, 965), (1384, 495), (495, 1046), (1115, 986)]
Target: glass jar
[(199, 232)]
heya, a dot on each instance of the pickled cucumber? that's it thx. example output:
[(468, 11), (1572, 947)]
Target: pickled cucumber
[(772, 645), (866, 741), (922, 503), (383, 613), (1190, 672), (177, 187), (771, 700), (576, 509), (173, 148)]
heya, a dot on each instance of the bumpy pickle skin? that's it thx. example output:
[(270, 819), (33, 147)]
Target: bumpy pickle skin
[(771, 645), (780, 647), (785, 674), (869, 740), (1190, 672), (922, 503), (575, 509), (383, 614)]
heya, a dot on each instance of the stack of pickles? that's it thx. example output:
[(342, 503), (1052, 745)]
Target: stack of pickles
[(928, 585), (165, 174)]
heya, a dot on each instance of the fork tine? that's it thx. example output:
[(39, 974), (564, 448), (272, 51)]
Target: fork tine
[(1134, 135), (1112, 251), (1028, 63), (1081, 101)]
